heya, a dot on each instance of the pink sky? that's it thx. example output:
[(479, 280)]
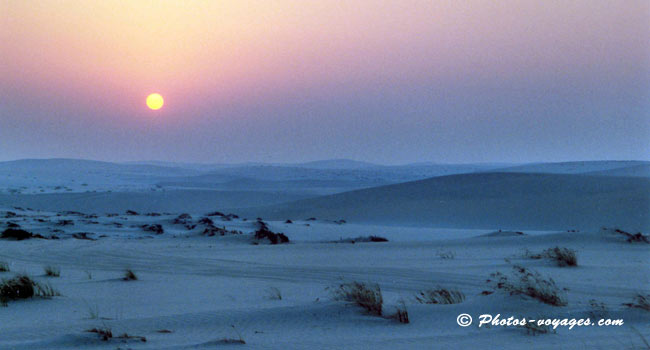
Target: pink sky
[(97, 60)]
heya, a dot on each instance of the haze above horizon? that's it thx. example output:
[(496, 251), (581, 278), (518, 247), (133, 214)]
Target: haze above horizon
[(389, 82)]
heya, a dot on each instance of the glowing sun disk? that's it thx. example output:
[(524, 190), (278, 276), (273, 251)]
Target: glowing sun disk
[(155, 101)]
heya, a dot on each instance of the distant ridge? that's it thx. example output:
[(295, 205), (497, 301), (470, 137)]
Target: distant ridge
[(596, 167)]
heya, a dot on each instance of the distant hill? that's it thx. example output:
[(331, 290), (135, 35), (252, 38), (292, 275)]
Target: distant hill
[(65, 165), (486, 200), (335, 164)]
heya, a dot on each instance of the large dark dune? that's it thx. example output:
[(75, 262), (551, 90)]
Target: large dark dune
[(486, 200)]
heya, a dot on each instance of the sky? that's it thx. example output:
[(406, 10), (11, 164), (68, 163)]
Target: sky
[(298, 80)]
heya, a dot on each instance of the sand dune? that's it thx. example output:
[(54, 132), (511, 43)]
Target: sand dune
[(169, 201), (487, 200)]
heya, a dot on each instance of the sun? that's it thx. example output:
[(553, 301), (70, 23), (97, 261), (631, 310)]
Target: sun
[(155, 101)]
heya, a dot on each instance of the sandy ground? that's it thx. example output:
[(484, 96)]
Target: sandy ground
[(202, 290)]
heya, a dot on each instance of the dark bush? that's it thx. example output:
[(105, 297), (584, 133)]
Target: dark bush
[(129, 275), (184, 219), (16, 234), (206, 221), (264, 233), (214, 231), (19, 287), (632, 238), (12, 225), (83, 235), (362, 239), (155, 228)]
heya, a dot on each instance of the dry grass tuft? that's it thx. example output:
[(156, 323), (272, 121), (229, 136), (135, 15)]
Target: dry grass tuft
[(368, 296), (401, 315), (440, 296), (536, 329), (530, 283), (446, 254), (105, 333), (129, 275), (274, 293), (23, 287), (640, 302), (562, 256), (52, 271)]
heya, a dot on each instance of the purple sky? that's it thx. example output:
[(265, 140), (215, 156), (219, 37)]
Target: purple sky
[(285, 81)]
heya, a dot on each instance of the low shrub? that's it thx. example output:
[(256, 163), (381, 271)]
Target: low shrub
[(630, 237), (16, 234), (446, 254), (52, 271), (105, 333), (129, 275), (65, 222), (206, 221), (19, 287), (640, 302), (23, 287), (263, 232), (362, 239), (274, 293), (155, 228)]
